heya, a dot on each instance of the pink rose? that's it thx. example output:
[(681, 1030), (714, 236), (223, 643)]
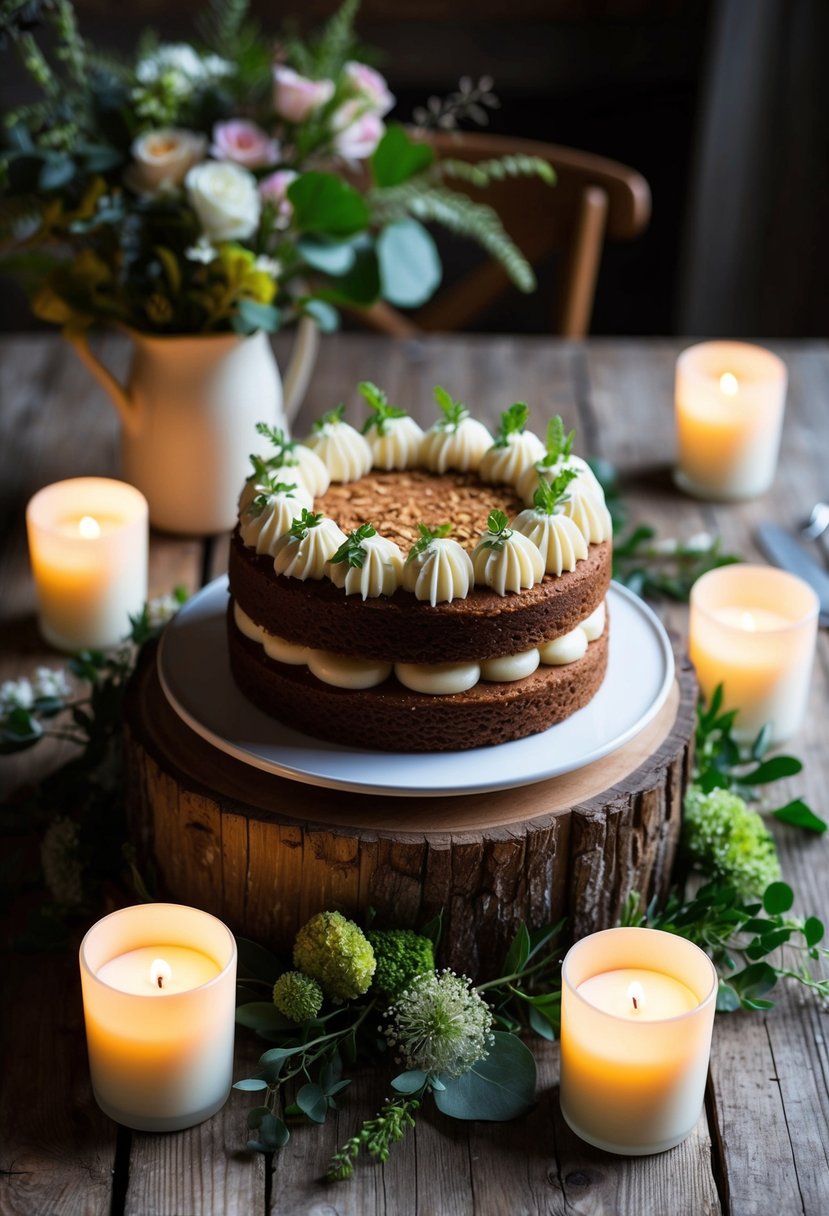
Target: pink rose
[(358, 131), (295, 96), (370, 86), (274, 189), (243, 143)]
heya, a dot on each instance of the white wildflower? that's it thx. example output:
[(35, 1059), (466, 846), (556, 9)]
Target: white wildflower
[(664, 544), (700, 542), (202, 252), (51, 682), (440, 1024), (181, 66), (16, 694), (162, 610), (270, 265)]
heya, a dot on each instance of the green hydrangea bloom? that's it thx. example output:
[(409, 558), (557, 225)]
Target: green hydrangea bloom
[(337, 953), (726, 839), (297, 996), (402, 955)]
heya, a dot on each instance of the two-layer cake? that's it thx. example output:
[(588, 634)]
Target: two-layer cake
[(404, 591)]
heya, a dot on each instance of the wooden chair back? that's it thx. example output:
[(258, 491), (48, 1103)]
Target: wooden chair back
[(594, 199)]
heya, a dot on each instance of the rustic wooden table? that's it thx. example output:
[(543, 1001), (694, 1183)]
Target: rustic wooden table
[(762, 1145)]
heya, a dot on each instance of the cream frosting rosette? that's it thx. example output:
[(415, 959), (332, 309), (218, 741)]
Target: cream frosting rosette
[(438, 569), (304, 550), (556, 536), (514, 447), (394, 437), (366, 564), (457, 441), (506, 560), (340, 446), (270, 513)]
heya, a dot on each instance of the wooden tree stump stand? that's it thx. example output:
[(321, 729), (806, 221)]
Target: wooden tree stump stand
[(265, 853)]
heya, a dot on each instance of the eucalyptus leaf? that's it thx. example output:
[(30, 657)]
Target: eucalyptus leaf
[(500, 1086), (727, 999), (409, 1082), (313, 1102), (273, 1132), (251, 317), (256, 1115), (262, 1015), (326, 317), (329, 257), (251, 1084), (410, 268)]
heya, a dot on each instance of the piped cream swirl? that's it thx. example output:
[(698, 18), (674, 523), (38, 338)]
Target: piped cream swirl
[(306, 557), (458, 446), (508, 462), (397, 446), (261, 529), (513, 564), (342, 449), (441, 573), (380, 574), (526, 482), (556, 536)]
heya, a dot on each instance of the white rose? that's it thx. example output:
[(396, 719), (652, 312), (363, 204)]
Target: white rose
[(225, 199), (161, 159)]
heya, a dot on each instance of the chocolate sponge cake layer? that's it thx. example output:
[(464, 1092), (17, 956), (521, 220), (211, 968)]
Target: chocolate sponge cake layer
[(391, 718), (400, 628)]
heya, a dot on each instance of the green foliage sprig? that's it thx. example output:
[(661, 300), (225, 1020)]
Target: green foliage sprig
[(497, 532), (352, 551), (513, 421), (558, 445), (378, 403), (453, 411), (305, 521), (549, 495), (330, 418), (425, 537)]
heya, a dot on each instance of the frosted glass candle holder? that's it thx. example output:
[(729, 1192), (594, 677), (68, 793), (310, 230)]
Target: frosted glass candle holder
[(729, 400), (159, 988), (753, 629), (637, 1010), (88, 545)]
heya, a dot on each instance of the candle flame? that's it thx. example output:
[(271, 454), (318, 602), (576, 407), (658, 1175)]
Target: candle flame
[(729, 384), (89, 528), (160, 973), (636, 996), (747, 622)]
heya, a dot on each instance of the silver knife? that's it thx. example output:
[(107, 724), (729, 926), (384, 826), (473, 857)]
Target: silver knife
[(782, 548)]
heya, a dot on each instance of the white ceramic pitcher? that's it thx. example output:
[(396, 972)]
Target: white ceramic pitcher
[(189, 412)]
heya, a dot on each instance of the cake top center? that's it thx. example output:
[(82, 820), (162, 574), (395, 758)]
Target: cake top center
[(397, 501)]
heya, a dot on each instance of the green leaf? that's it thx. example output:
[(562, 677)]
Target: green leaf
[(326, 317), (777, 897), (761, 744), (410, 269), (251, 1084), (397, 157), (755, 980), (518, 953), (56, 172), (772, 770), (800, 815), (273, 1132), (252, 316), (361, 285), (541, 1024), (727, 999), (329, 257), (256, 1115), (324, 203), (410, 1082), (500, 1086), (813, 930), (262, 1015), (313, 1102)]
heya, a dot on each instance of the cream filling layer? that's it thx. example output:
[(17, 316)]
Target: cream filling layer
[(435, 679)]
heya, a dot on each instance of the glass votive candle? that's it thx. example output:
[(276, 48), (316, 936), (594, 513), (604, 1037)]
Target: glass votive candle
[(753, 630), (637, 1010), (729, 400), (159, 989), (88, 545)]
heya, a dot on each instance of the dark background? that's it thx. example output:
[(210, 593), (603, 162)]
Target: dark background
[(721, 104)]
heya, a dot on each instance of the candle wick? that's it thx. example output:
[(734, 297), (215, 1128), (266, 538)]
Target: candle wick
[(633, 998), (160, 982)]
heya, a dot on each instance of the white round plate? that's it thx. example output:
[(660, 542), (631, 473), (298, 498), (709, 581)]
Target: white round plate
[(195, 674)]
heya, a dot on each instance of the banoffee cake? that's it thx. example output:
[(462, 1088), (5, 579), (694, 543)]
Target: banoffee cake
[(400, 591)]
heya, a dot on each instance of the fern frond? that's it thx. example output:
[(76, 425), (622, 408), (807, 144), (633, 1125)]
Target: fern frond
[(496, 170), (336, 40), (221, 26), (72, 48), (458, 214)]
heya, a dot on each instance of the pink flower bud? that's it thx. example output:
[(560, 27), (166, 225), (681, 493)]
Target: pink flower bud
[(370, 86), (243, 143), (295, 97)]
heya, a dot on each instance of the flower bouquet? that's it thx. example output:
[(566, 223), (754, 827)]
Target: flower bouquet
[(231, 184)]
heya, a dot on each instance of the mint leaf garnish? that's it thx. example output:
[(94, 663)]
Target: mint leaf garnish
[(558, 445), (453, 411), (331, 418), (549, 496), (498, 532), (379, 403), (352, 550), (300, 527), (427, 535), (512, 422)]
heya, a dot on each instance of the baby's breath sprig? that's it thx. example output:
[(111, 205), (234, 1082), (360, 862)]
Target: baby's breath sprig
[(453, 411), (427, 535), (301, 526), (352, 550), (550, 495), (558, 445), (498, 531), (512, 422), (378, 402), (331, 418)]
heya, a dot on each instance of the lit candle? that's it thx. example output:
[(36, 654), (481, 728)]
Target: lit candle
[(637, 1009), (753, 629), (88, 541), (729, 413), (159, 986)]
